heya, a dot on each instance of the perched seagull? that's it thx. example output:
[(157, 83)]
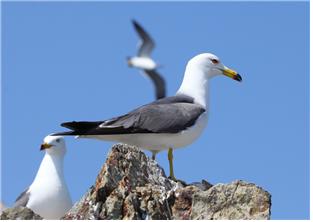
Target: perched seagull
[(144, 62), (167, 123), (48, 195)]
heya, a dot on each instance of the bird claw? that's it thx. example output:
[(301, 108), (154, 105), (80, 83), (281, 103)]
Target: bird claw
[(177, 180)]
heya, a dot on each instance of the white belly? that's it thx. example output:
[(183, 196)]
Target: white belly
[(49, 200), (159, 141), (142, 63)]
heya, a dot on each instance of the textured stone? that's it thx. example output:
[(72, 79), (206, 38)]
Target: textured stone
[(129, 186), (19, 213), (234, 201), (132, 186)]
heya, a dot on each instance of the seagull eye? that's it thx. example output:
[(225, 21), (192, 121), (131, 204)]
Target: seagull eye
[(58, 140), (214, 61)]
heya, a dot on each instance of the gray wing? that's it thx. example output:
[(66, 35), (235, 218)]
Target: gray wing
[(154, 118), (22, 199), (158, 82), (147, 44), (167, 115)]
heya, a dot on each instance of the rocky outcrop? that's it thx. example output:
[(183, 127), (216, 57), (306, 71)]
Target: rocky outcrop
[(19, 213), (132, 186)]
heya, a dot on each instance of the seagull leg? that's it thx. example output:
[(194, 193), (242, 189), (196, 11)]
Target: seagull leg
[(170, 159)]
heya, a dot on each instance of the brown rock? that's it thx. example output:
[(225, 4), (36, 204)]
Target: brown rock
[(132, 186), (19, 213)]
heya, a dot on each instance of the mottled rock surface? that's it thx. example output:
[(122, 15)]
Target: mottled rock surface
[(19, 213), (132, 186), (234, 201)]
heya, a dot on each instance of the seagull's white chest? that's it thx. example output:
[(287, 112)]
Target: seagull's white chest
[(49, 196), (143, 63)]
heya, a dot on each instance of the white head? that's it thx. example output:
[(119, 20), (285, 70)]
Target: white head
[(198, 71), (54, 145), (212, 66)]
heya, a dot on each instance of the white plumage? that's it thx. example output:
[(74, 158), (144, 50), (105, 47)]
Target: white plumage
[(48, 195)]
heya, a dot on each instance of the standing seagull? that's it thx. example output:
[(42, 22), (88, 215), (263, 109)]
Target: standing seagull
[(171, 122), (144, 62), (48, 195)]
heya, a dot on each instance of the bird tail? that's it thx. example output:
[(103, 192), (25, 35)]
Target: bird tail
[(78, 128)]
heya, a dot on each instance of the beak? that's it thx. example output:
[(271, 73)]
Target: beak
[(45, 146), (128, 58), (232, 74)]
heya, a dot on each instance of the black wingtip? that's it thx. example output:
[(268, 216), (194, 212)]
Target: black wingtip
[(134, 21), (136, 24)]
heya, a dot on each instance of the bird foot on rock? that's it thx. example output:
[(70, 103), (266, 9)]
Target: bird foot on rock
[(178, 181)]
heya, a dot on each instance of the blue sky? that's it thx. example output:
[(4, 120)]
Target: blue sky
[(67, 61)]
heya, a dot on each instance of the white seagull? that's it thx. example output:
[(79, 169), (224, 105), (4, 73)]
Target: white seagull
[(144, 61), (48, 195), (167, 123)]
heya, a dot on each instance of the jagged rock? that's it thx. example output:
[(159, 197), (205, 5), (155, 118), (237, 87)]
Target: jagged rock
[(19, 213), (132, 186), (235, 201), (129, 186)]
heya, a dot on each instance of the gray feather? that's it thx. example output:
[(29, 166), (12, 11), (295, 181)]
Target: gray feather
[(22, 199), (168, 115), (147, 44), (158, 82)]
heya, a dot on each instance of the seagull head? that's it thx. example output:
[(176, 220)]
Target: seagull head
[(213, 66), (54, 145)]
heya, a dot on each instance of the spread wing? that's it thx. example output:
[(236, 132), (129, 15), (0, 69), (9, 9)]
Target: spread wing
[(146, 44), (158, 82)]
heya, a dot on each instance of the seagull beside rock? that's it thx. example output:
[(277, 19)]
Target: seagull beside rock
[(48, 195)]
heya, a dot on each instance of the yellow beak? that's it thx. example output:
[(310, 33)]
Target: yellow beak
[(45, 146), (232, 74)]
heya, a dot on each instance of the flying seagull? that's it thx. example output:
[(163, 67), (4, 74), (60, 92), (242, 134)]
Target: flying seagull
[(48, 195), (144, 61), (167, 123), (148, 44)]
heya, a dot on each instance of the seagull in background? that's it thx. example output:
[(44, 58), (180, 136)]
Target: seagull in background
[(144, 61), (48, 195), (168, 123)]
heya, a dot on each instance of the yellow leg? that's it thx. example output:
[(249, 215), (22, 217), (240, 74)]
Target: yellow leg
[(170, 159)]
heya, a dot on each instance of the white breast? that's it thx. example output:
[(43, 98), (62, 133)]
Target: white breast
[(49, 195)]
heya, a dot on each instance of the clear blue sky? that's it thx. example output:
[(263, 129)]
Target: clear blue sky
[(67, 61)]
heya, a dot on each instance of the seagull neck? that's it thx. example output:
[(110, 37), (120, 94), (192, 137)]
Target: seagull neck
[(51, 166), (195, 85)]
